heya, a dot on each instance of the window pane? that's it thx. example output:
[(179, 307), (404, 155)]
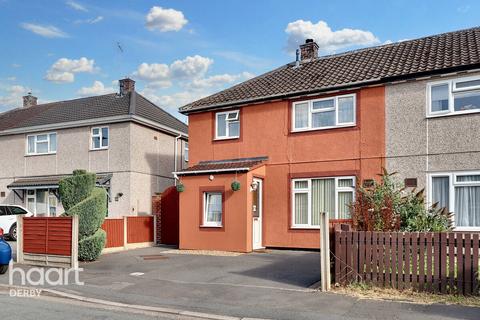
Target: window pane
[(96, 131), (221, 125), (232, 116), (95, 142), (52, 205), (468, 178), (439, 97), (214, 208), (104, 137), (323, 199), (301, 208), (301, 115), (345, 110), (440, 191), (42, 147), (53, 142), (467, 101), (323, 119), (42, 137), (344, 201), (17, 210), (345, 183), (467, 206), (234, 129), (301, 184), (41, 206), (324, 104), (31, 144), (466, 84), (31, 204)]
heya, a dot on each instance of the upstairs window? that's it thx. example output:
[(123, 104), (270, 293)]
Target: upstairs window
[(325, 113), (185, 155), (100, 138), (42, 144), (227, 125), (455, 96)]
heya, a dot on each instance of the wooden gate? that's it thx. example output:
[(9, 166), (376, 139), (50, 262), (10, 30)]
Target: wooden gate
[(48, 241)]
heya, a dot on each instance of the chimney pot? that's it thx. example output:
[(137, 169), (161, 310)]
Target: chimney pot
[(29, 100), (309, 50), (126, 85)]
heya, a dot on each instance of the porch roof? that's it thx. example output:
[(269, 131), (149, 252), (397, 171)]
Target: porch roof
[(224, 166), (52, 181)]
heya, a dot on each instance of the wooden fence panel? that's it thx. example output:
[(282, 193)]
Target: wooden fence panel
[(140, 229), (114, 229), (47, 235), (425, 261)]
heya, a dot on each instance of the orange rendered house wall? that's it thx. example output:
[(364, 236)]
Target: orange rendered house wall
[(265, 130)]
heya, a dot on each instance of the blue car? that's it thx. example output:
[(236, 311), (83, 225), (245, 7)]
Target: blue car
[(5, 253)]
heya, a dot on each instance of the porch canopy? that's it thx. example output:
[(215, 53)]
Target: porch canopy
[(223, 166)]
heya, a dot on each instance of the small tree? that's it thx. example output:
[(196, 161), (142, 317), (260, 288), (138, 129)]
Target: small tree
[(387, 206), (80, 197)]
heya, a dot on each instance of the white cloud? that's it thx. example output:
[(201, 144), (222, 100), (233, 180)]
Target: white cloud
[(219, 80), (171, 102), (76, 6), (44, 30), (161, 74), (327, 39), (89, 21), (63, 70), (12, 78), (165, 20), (96, 89), (16, 65), (463, 9), (12, 97)]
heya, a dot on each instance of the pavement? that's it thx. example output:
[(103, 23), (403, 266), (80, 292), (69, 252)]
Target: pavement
[(272, 285)]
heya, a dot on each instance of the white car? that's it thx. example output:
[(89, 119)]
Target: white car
[(8, 219)]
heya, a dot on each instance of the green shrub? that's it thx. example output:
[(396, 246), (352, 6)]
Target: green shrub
[(387, 206), (76, 188), (91, 212), (90, 248)]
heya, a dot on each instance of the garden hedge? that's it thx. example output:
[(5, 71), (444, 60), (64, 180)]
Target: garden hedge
[(91, 212), (90, 248), (76, 188)]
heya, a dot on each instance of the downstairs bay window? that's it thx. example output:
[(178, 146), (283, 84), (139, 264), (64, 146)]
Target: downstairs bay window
[(460, 193), (314, 195)]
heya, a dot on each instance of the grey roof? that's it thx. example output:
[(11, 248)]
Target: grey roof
[(453, 51), (109, 105), (231, 165), (51, 181)]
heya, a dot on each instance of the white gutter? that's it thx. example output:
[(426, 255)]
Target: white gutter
[(182, 173)]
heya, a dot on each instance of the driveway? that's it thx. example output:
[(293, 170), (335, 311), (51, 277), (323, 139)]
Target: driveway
[(271, 285)]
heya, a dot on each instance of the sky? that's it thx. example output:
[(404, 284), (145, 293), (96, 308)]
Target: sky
[(180, 51)]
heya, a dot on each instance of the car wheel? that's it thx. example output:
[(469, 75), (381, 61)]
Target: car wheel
[(13, 232), (3, 268)]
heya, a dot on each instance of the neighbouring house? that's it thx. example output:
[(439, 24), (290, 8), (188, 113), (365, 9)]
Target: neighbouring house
[(299, 139), (132, 145)]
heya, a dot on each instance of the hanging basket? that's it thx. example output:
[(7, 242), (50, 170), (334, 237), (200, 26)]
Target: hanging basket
[(180, 187), (235, 185)]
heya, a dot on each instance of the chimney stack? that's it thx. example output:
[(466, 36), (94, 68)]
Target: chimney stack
[(29, 100), (309, 50), (126, 85)]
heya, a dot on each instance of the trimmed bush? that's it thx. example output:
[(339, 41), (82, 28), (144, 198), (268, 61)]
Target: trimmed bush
[(76, 188), (90, 248), (91, 212)]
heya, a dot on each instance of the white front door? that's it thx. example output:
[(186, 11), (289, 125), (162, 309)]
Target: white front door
[(257, 207)]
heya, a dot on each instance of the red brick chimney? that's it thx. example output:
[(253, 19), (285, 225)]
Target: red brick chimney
[(309, 50), (126, 85), (29, 100)]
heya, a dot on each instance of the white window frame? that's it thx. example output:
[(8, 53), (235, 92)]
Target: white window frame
[(186, 152), (452, 180), (236, 119), (99, 135), (335, 107), (308, 191), (50, 195), (211, 224), (451, 94), (35, 136)]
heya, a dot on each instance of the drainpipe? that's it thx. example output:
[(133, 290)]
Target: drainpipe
[(175, 156)]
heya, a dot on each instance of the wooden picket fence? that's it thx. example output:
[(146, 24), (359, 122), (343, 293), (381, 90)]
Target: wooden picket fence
[(446, 262)]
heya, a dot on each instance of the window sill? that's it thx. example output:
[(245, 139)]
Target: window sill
[(476, 229), (207, 226), (450, 114), (99, 149), (351, 125), (227, 138), (305, 228), (40, 154)]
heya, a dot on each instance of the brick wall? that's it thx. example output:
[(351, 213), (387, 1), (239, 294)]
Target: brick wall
[(156, 210)]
